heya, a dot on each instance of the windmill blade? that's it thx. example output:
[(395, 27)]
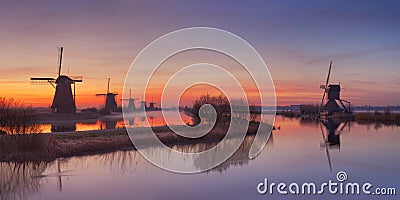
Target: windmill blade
[(60, 61), (76, 77), (42, 82), (42, 79), (323, 97), (326, 84), (108, 86), (329, 74), (326, 148), (344, 125)]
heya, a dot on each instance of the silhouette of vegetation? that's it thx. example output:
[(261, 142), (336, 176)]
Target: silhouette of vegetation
[(220, 104), (16, 118), (19, 180), (304, 109), (18, 124), (386, 118), (309, 109), (89, 110)]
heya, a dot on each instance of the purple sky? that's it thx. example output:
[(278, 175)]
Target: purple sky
[(296, 39)]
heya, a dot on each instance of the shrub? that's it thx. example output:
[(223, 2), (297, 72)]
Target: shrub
[(16, 118), (220, 104), (309, 109)]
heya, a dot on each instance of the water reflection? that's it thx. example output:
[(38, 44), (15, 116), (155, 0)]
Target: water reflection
[(19, 180), (292, 154), (63, 126), (333, 129), (133, 120)]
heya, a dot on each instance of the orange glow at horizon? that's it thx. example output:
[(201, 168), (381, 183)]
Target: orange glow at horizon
[(36, 96)]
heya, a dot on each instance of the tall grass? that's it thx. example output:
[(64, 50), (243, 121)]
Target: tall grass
[(19, 180), (386, 118), (16, 118), (18, 138), (225, 110), (220, 104)]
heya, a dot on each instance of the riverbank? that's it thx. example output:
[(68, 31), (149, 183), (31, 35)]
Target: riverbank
[(385, 118), (48, 147)]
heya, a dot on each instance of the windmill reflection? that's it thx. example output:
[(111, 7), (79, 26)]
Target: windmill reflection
[(64, 126), (110, 124), (332, 136)]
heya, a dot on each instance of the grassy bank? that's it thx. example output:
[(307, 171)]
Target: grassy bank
[(386, 118), (47, 147), (377, 117)]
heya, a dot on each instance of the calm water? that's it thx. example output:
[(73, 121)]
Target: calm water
[(295, 153), (113, 122)]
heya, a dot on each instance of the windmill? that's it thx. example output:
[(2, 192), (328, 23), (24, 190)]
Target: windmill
[(111, 104), (131, 102), (142, 105), (152, 105), (64, 99), (333, 97)]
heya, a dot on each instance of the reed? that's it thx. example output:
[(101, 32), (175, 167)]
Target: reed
[(26, 147), (385, 118)]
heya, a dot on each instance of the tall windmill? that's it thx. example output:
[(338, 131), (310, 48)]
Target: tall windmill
[(64, 99), (131, 102), (333, 90), (111, 104)]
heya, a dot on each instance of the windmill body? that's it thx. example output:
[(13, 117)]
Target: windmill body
[(63, 101), (333, 95), (152, 106), (110, 104), (143, 105), (334, 104), (131, 102), (64, 96)]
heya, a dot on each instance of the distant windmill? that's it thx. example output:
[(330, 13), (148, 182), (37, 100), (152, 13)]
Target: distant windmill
[(111, 104), (131, 102), (152, 105), (143, 105), (64, 99), (333, 91)]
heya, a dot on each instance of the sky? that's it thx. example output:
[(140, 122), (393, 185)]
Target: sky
[(296, 39)]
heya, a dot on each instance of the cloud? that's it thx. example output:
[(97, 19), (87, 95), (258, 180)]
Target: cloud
[(352, 55), (363, 82), (8, 71), (351, 74), (396, 82)]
